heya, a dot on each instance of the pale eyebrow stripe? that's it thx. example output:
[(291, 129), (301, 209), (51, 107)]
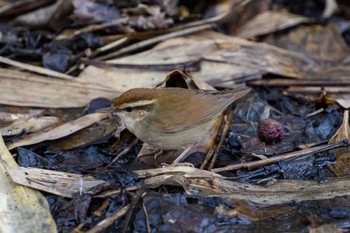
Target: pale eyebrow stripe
[(138, 103)]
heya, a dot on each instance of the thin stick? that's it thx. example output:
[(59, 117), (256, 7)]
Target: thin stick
[(91, 28), (299, 82), (315, 113), (132, 210), (110, 46), (225, 129), (35, 69), (182, 156), (207, 158), (146, 217), (286, 156), (109, 220), (124, 152), (154, 40)]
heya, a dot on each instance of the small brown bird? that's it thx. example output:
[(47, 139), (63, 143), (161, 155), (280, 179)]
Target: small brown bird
[(171, 118)]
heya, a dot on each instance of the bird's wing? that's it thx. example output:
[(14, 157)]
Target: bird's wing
[(195, 109)]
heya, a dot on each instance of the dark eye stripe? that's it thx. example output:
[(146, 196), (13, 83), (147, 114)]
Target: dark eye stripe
[(147, 107), (129, 109)]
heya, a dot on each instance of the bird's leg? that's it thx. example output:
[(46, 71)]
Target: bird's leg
[(158, 152), (148, 150), (183, 155)]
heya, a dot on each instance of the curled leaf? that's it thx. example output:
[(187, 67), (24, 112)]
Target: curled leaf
[(341, 168)]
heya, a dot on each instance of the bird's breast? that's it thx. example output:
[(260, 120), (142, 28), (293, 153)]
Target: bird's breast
[(171, 140)]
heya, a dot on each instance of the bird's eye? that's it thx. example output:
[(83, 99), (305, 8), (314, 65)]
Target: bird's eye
[(129, 109)]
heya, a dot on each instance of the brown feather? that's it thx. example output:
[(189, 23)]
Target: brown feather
[(193, 108), (135, 95)]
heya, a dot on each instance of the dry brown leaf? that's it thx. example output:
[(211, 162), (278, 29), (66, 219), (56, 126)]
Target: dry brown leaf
[(60, 131), (22, 209), (240, 11), (30, 125), (122, 78), (343, 100), (268, 22), (274, 60), (325, 44), (325, 228), (188, 49), (226, 60), (330, 8), (46, 16), (257, 212), (225, 211), (89, 135), (175, 51), (255, 61), (226, 75), (19, 7), (26, 89), (343, 133), (10, 117), (342, 166)]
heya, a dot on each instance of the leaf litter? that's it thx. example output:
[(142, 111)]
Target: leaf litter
[(86, 164)]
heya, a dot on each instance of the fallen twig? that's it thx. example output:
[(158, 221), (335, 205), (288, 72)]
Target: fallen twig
[(286, 156), (109, 220)]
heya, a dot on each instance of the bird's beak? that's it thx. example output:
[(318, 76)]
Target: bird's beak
[(112, 110), (106, 110)]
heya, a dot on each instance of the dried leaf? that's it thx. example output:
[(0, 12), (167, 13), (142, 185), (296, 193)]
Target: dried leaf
[(268, 22), (25, 89), (331, 7), (342, 168), (60, 131), (274, 60), (343, 133), (31, 125), (92, 134), (8, 116), (325, 228), (343, 100), (256, 212), (136, 71), (19, 7), (22, 209), (49, 16)]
